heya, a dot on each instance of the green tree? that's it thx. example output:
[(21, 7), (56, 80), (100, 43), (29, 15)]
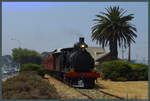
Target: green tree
[(23, 56), (113, 29)]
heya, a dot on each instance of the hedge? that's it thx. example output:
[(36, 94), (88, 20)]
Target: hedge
[(119, 70), (32, 67)]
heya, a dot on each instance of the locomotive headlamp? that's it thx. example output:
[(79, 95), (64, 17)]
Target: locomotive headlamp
[(82, 45)]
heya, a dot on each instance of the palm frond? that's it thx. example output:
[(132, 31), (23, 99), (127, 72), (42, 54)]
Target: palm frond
[(113, 25)]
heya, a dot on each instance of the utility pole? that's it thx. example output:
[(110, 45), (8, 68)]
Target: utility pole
[(137, 57), (123, 51), (144, 60)]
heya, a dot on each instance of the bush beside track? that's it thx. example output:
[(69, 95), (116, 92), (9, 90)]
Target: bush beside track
[(32, 67), (119, 70), (28, 85)]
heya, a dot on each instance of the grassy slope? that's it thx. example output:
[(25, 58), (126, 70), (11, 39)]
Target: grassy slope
[(28, 85)]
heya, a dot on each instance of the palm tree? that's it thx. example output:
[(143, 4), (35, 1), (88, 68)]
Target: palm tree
[(113, 29)]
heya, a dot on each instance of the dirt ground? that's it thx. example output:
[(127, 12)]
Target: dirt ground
[(130, 90)]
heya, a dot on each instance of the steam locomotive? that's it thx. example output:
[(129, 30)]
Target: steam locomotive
[(73, 65)]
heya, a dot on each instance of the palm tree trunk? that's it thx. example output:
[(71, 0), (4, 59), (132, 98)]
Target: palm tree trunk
[(114, 50), (129, 54)]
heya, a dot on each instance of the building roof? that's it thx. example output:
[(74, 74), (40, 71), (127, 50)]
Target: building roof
[(96, 52)]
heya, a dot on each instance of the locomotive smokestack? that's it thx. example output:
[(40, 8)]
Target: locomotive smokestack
[(81, 39)]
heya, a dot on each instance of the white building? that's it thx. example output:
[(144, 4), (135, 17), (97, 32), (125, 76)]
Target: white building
[(96, 52)]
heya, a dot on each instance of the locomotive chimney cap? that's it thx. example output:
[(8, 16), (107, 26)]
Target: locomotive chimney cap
[(81, 39)]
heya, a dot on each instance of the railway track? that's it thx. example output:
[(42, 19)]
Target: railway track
[(96, 94), (111, 95), (93, 94), (89, 97)]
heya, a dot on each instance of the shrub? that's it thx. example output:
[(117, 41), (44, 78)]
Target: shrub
[(115, 69), (98, 66), (33, 67), (121, 79), (140, 71), (123, 71)]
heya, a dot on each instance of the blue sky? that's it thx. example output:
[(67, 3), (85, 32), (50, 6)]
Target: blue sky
[(51, 25)]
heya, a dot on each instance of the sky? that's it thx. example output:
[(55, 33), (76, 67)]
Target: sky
[(51, 25)]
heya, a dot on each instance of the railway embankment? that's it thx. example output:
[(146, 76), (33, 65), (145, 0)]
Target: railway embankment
[(28, 85)]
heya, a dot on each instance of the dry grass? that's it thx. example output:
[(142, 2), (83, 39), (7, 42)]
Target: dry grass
[(28, 85), (130, 89)]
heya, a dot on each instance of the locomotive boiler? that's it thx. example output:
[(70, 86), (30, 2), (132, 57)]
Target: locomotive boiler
[(73, 65)]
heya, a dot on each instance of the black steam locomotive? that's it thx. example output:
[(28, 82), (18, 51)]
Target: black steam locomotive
[(74, 65)]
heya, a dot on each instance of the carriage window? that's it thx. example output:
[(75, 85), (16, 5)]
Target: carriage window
[(98, 53)]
